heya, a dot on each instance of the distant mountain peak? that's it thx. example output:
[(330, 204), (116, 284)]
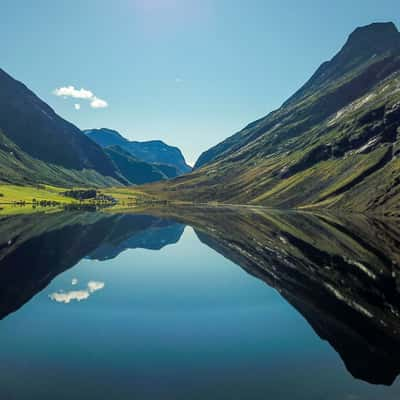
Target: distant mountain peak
[(151, 151)]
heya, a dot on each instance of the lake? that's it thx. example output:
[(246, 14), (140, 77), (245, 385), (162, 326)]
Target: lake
[(199, 303)]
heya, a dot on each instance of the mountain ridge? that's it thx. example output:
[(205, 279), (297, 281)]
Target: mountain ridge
[(308, 87), (151, 151), (334, 143), (37, 146)]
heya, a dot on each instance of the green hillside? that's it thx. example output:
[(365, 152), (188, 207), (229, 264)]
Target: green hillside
[(335, 143), (17, 167)]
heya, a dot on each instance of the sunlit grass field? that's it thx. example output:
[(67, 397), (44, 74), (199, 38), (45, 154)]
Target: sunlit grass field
[(16, 199)]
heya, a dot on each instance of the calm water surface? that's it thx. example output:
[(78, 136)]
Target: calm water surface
[(144, 307)]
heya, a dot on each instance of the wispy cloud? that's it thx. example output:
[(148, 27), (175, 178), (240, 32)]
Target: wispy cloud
[(77, 295), (83, 94)]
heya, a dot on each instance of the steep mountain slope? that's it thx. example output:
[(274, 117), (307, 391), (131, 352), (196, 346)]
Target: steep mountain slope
[(362, 62), (154, 151), (334, 143), (17, 167), (133, 169), (39, 132)]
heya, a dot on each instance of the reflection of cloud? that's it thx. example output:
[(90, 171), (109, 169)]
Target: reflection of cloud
[(67, 297), (94, 286), (78, 295)]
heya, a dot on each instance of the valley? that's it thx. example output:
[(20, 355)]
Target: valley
[(334, 144)]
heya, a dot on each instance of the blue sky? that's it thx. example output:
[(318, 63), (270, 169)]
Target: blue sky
[(190, 72)]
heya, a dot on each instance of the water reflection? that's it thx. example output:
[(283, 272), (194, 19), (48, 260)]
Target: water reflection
[(34, 249), (340, 273), (67, 296)]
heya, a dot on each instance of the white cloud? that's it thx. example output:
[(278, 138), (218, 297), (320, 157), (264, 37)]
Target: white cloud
[(98, 103), (84, 94), (77, 295), (70, 91)]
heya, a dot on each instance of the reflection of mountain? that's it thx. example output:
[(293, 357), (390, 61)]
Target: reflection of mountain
[(34, 249), (152, 233), (343, 275)]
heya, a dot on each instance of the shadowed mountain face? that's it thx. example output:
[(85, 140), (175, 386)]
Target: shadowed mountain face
[(341, 274), (42, 134), (34, 249), (133, 169), (155, 152)]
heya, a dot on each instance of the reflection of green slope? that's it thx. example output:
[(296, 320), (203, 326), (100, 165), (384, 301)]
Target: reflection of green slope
[(34, 249), (342, 274)]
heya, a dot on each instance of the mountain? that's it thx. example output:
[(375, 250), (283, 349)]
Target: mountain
[(106, 137), (133, 169), (335, 83), (41, 134), (334, 143), (18, 167), (154, 151), (37, 146)]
